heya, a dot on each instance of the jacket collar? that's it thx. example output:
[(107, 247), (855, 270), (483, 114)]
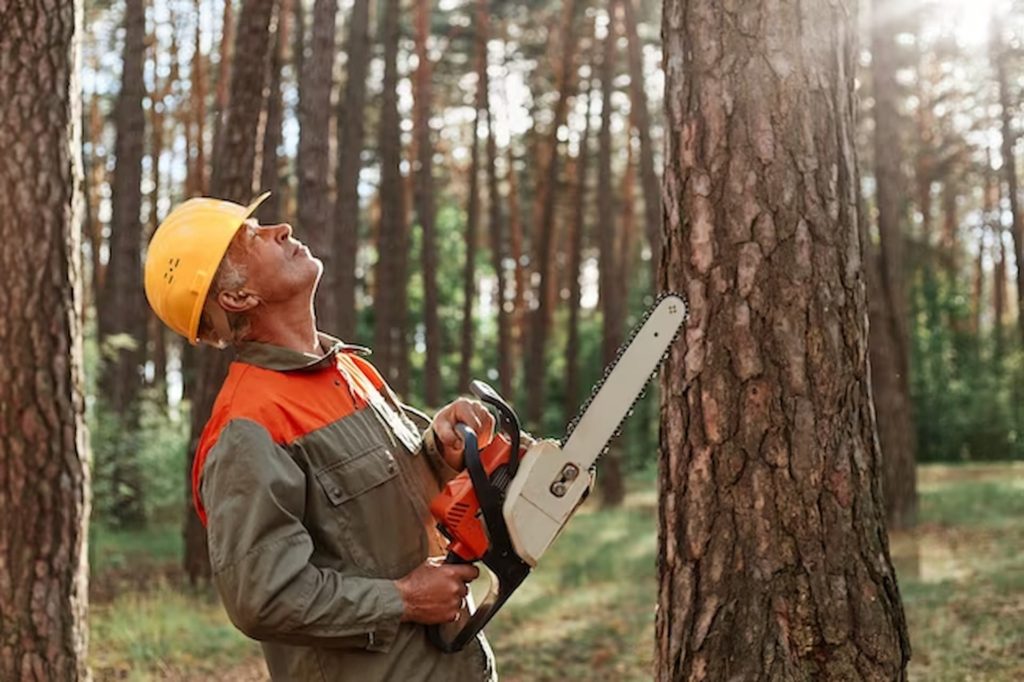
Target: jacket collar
[(280, 359)]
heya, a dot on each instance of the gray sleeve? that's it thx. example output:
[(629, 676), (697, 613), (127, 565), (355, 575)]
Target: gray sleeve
[(255, 496)]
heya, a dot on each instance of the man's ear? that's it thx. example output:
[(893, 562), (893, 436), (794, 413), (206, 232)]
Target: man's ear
[(240, 301)]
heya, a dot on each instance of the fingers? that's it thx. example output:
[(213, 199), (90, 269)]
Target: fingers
[(469, 412), (464, 572)]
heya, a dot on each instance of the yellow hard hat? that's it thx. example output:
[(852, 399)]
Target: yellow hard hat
[(184, 255)]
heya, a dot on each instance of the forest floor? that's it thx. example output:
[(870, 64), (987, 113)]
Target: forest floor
[(588, 612)]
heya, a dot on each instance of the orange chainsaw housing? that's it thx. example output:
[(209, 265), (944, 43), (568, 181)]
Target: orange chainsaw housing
[(457, 509)]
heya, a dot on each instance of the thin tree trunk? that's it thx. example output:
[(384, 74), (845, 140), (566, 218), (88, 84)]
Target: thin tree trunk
[(122, 310), (999, 269), (43, 457), (578, 227), (889, 341), (314, 205), (610, 481), (271, 211), (516, 251), (424, 200), (233, 177), (544, 231), (773, 560), (350, 146), (227, 39), (642, 123), (198, 101), (496, 222), (473, 208), (999, 55), (390, 300)]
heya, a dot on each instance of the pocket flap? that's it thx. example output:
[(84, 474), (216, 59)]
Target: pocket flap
[(353, 477)]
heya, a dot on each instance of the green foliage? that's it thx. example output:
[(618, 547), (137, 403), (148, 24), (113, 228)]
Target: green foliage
[(157, 448), (965, 393)]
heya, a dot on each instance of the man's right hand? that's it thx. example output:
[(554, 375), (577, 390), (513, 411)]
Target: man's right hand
[(434, 592)]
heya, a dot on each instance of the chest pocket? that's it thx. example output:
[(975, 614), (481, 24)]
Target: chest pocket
[(371, 518)]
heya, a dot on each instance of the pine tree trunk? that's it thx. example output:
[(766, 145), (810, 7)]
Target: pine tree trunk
[(351, 135), (233, 177), (198, 104), (578, 227), (227, 39), (610, 275), (473, 208), (314, 204), (773, 558), (122, 309), (544, 218), (391, 273), (43, 456), (999, 56), (271, 211), (515, 244), (642, 124), (425, 210), (499, 247), (889, 341)]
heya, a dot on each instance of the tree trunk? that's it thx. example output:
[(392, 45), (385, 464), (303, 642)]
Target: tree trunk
[(889, 341), (773, 561), (515, 244), (473, 208), (642, 124), (43, 457), (271, 211), (999, 56), (233, 177), (390, 300), (609, 277), (351, 135), (314, 202), (198, 102), (572, 365), (122, 309), (425, 210), (544, 231), (227, 39)]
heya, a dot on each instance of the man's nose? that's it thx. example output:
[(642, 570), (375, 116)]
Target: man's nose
[(281, 231)]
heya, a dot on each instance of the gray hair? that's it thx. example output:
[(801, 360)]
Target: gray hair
[(231, 275)]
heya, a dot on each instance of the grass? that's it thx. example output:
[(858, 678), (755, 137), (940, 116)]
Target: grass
[(587, 613)]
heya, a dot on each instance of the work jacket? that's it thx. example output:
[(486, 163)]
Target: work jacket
[(314, 482)]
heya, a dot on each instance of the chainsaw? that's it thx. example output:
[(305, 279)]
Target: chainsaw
[(512, 500)]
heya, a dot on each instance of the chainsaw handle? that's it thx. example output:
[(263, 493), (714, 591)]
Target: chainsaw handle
[(508, 420), (452, 637)]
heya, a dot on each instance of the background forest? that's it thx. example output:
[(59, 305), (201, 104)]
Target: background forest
[(483, 182)]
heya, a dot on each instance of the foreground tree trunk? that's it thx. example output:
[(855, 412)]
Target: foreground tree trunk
[(122, 308), (889, 339), (233, 176), (773, 558), (271, 210), (43, 472)]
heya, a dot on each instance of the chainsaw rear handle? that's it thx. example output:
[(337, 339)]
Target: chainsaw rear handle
[(508, 421), (505, 570)]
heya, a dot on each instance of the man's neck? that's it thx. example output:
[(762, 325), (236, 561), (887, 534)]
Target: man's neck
[(291, 326)]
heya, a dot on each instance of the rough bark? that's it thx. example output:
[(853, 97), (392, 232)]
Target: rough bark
[(610, 287), (889, 341), (642, 124), (314, 202), (544, 216), (425, 209), (232, 179), (227, 39), (390, 298), (122, 310), (198, 102), (773, 559), (271, 210), (351, 134), (44, 480)]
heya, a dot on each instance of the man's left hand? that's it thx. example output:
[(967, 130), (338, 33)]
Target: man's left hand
[(473, 414)]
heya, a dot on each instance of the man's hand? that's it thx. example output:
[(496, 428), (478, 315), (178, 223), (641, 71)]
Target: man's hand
[(473, 414), (434, 592)]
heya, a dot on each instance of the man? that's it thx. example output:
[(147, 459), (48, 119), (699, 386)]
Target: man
[(311, 477)]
